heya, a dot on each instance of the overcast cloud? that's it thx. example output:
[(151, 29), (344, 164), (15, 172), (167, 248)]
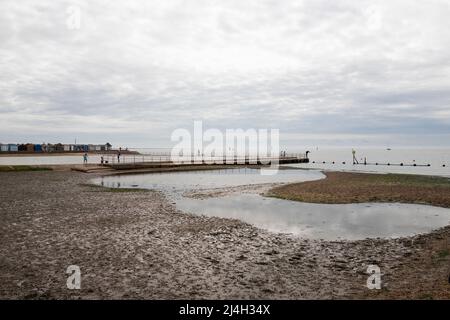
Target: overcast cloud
[(324, 72)]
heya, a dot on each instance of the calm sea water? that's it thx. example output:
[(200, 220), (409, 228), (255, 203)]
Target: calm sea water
[(437, 158), (46, 160), (63, 159)]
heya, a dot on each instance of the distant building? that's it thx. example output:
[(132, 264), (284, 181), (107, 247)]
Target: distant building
[(13, 147), (58, 147)]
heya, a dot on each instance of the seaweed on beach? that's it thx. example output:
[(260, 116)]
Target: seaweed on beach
[(23, 168)]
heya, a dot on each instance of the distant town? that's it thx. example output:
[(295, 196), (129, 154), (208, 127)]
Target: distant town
[(49, 147)]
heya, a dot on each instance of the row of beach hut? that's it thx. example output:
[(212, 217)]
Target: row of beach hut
[(58, 147)]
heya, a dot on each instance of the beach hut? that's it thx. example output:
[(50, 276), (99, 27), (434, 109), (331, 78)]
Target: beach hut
[(37, 148), (4, 148), (91, 148), (22, 147), (29, 147), (66, 147), (59, 147), (13, 147)]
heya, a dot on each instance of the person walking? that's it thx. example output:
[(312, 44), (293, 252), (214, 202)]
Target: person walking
[(85, 158)]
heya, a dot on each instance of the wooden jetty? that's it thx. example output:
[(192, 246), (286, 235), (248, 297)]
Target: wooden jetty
[(164, 161)]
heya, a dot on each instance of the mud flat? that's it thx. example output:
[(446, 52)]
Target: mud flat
[(134, 244), (350, 187)]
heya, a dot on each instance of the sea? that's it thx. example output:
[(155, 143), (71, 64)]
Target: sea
[(426, 161)]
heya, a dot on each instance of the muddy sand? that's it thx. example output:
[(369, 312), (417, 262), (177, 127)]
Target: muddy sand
[(136, 245)]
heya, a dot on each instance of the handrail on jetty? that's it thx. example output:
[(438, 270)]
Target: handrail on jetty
[(152, 159)]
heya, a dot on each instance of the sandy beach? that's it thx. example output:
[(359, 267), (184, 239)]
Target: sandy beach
[(136, 245)]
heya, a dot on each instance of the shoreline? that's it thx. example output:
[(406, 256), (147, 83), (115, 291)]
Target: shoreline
[(135, 244)]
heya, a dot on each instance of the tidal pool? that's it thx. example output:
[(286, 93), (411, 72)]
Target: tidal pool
[(323, 221), (307, 220), (207, 179)]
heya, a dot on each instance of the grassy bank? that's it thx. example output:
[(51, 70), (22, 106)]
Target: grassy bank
[(345, 187), (22, 168)]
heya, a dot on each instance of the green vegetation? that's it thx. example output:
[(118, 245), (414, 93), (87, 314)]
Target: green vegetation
[(426, 296), (346, 187), (22, 168), (443, 254)]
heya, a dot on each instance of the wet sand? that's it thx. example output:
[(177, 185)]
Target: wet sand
[(136, 245)]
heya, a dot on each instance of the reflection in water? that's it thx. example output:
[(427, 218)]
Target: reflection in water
[(197, 180), (323, 221), (315, 221)]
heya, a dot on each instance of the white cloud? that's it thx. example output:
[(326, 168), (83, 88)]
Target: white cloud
[(147, 67)]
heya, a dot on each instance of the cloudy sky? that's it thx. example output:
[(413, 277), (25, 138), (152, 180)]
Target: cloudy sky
[(323, 72)]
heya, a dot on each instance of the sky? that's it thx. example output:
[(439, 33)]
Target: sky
[(326, 73)]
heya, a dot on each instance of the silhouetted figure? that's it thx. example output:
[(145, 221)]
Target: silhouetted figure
[(355, 161)]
